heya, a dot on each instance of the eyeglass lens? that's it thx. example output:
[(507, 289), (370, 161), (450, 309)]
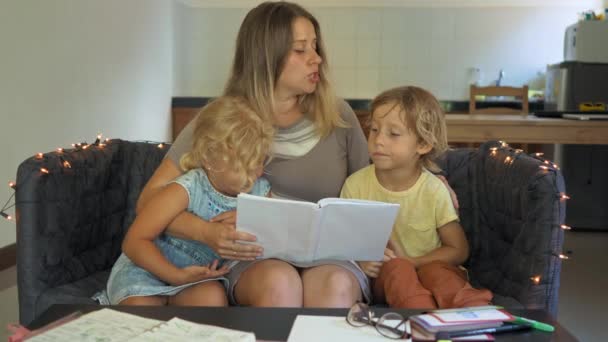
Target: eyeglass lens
[(392, 325)]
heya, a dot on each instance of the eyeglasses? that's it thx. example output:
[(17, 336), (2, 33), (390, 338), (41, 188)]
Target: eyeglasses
[(391, 324)]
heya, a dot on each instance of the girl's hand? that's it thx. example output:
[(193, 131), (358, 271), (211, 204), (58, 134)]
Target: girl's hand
[(191, 274), (371, 268), (222, 238)]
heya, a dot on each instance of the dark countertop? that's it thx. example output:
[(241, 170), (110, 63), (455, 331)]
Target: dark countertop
[(363, 104)]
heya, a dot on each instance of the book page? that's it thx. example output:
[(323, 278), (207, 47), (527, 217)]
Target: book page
[(102, 325), (281, 226), (362, 229), (178, 329)]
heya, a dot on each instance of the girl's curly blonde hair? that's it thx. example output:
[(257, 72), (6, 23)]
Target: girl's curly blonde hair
[(228, 129), (423, 115)]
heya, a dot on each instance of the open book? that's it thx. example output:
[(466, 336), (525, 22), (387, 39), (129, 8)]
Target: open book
[(332, 229), (112, 326)]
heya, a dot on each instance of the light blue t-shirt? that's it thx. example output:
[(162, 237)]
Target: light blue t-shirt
[(205, 201)]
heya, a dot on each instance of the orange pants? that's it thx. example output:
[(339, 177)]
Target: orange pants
[(434, 285)]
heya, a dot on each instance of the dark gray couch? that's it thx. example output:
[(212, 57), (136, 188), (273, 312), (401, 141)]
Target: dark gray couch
[(71, 221)]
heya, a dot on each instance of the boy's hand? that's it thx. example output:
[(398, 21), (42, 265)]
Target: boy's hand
[(192, 274), (371, 268)]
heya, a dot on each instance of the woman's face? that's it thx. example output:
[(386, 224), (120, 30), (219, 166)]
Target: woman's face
[(300, 74)]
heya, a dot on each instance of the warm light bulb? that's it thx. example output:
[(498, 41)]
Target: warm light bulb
[(544, 167), (535, 280), (564, 197), (67, 164), (102, 145), (518, 151), (43, 170), (59, 150), (539, 154), (99, 136), (565, 227), (546, 162), (161, 145), (39, 155), (6, 216), (84, 147), (508, 160), (11, 185), (563, 256)]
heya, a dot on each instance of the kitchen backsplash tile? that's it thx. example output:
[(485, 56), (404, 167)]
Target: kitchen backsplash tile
[(371, 49)]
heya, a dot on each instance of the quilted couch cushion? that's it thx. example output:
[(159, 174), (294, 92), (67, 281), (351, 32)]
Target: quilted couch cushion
[(71, 221), (511, 212)]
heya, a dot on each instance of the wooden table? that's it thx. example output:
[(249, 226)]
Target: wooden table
[(275, 323), (514, 128)]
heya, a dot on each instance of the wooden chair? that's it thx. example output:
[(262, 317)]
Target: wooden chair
[(519, 93)]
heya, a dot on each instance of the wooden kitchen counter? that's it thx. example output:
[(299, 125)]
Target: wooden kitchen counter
[(512, 128), (525, 129)]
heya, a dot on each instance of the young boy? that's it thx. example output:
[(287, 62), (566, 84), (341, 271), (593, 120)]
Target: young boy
[(421, 264)]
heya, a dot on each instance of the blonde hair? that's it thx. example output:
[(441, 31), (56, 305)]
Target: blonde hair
[(423, 115), (227, 128), (263, 43)]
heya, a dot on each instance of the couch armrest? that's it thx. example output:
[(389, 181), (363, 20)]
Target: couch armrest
[(71, 220), (512, 214)]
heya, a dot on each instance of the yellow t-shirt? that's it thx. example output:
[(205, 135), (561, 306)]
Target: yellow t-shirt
[(424, 207)]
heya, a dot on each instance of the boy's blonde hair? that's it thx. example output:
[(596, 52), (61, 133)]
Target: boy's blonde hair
[(423, 115), (263, 43), (227, 128)]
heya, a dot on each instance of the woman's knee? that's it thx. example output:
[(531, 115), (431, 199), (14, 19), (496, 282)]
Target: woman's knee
[(330, 286), (270, 283)]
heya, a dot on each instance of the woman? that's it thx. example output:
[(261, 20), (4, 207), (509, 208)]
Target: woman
[(280, 67)]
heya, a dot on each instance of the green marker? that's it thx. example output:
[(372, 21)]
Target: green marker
[(534, 324)]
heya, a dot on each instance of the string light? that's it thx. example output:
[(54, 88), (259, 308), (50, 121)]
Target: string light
[(161, 145), (544, 167), (39, 155), (59, 149), (6, 216), (67, 164), (564, 257), (564, 197), (535, 280), (11, 185), (494, 151), (518, 151), (508, 160), (565, 227), (539, 154), (43, 170)]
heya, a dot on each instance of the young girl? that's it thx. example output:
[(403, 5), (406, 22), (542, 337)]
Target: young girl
[(420, 268), (230, 145)]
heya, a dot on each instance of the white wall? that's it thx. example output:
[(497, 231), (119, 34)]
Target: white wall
[(371, 49), (70, 69)]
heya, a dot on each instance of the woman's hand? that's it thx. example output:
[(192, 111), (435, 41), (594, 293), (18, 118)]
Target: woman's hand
[(222, 238), (228, 217), (191, 274), (452, 192)]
